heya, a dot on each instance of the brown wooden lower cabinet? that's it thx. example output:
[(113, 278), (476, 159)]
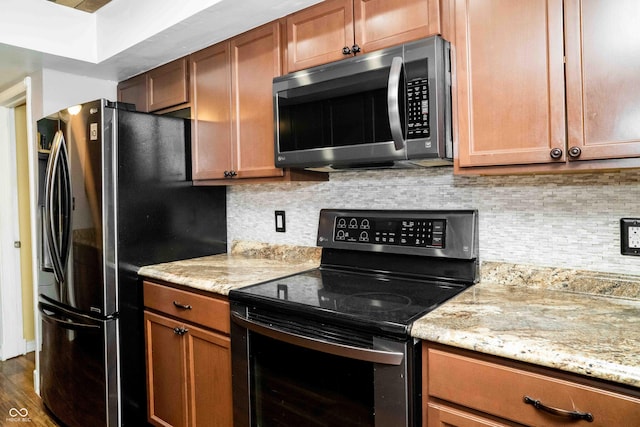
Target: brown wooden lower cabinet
[(440, 415), (188, 364), (468, 389)]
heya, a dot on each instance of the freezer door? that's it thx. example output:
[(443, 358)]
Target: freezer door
[(78, 367)]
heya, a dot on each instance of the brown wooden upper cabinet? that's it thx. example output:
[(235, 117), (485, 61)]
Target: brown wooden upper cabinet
[(134, 91), (337, 29), (232, 106), (163, 87), (514, 62), (169, 85)]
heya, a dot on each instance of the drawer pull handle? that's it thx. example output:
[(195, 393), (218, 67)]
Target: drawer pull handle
[(574, 415), (182, 306)]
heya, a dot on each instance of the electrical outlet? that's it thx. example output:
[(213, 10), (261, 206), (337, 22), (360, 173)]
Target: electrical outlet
[(630, 236)]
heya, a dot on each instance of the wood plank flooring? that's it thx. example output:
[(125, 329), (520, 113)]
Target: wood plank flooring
[(20, 406)]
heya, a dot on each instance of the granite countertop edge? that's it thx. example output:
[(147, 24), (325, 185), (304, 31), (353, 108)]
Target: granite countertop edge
[(545, 327), (523, 313)]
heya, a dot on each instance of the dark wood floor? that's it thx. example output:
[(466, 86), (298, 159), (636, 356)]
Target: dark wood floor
[(19, 404)]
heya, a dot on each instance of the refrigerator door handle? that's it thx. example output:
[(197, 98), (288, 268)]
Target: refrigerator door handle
[(65, 245), (50, 229), (58, 235), (65, 318)]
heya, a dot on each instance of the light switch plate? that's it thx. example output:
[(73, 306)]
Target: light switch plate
[(630, 236), (281, 225)]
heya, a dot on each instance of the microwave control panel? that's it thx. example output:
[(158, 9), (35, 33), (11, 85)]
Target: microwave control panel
[(418, 108), (422, 233)]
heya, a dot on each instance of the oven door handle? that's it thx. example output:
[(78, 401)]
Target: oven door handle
[(343, 350)]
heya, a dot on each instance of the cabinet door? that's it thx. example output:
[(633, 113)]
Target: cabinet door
[(169, 85), (134, 91), (384, 23), (166, 372), (509, 84), (603, 78), (445, 416), (255, 61), (209, 356), (211, 112), (316, 35)]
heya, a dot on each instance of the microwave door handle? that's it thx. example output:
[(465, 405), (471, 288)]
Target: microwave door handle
[(393, 102)]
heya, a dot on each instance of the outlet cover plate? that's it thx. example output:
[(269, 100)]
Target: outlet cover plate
[(630, 236)]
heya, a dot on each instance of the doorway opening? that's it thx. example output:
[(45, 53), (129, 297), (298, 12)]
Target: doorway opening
[(18, 254)]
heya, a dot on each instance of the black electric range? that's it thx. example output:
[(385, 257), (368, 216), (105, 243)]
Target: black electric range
[(339, 335), (380, 270)]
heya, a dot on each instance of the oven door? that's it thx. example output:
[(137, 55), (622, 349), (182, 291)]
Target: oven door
[(291, 374)]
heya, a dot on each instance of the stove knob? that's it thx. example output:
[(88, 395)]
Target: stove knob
[(364, 237), (340, 235)]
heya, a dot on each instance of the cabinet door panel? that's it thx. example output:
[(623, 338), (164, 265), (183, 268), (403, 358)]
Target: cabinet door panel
[(317, 34), (166, 372), (509, 81), (210, 378), (211, 112), (384, 23), (255, 61), (603, 78), (134, 91), (445, 416), (168, 85)]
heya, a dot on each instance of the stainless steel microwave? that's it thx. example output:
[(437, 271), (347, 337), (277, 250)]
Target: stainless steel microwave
[(389, 108)]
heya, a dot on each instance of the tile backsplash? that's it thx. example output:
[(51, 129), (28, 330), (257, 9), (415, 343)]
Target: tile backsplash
[(569, 221)]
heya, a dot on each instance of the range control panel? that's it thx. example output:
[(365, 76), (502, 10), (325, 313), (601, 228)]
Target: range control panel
[(422, 233)]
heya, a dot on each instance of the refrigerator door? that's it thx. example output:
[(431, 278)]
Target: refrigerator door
[(78, 181), (77, 376)]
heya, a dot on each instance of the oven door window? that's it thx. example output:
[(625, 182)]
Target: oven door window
[(294, 386)]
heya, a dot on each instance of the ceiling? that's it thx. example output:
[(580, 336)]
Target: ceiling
[(84, 5), (142, 42)]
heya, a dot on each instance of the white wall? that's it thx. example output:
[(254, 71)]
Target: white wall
[(567, 221), (62, 90)]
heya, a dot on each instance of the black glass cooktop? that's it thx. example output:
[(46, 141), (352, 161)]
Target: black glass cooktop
[(379, 301)]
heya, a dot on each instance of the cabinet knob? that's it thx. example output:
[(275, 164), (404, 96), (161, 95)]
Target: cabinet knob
[(355, 49), (575, 152), (230, 174), (346, 50), (180, 331), (556, 153)]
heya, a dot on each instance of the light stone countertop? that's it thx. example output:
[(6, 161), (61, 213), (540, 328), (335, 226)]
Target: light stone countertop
[(247, 264), (545, 324), (581, 322)]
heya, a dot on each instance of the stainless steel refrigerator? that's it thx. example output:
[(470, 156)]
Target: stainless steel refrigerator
[(116, 195)]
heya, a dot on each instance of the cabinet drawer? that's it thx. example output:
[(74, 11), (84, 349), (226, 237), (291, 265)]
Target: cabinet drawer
[(207, 311), (500, 390)]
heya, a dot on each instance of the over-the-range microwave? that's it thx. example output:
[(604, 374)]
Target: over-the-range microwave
[(389, 108)]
